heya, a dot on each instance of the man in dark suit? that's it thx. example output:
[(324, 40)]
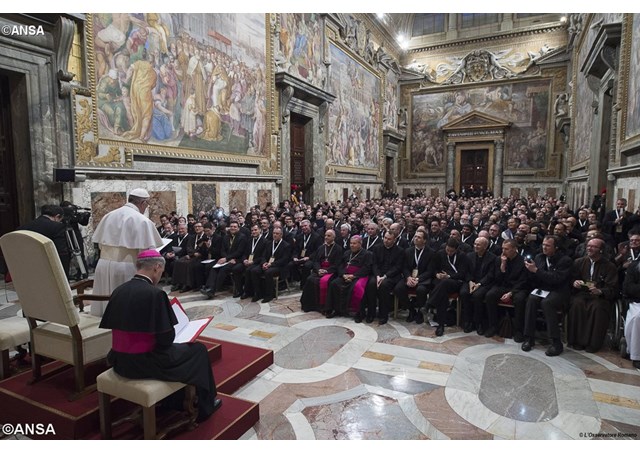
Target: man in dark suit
[(252, 258), (436, 237), (550, 276), (306, 242), (50, 224), (510, 286), (417, 274), (387, 267), (495, 239), (233, 249), (619, 221), (451, 267), (274, 262), (482, 268)]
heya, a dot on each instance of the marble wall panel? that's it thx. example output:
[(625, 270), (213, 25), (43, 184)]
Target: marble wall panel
[(264, 197), (238, 200), (161, 202), (203, 197), (104, 202)]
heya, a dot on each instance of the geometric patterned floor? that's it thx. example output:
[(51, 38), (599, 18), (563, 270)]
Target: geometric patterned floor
[(335, 379)]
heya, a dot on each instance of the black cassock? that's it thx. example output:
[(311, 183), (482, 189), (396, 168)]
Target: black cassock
[(138, 306)]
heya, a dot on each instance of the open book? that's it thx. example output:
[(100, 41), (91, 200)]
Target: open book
[(187, 331)]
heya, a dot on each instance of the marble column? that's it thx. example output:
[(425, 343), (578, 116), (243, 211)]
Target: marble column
[(451, 157), (498, 169)]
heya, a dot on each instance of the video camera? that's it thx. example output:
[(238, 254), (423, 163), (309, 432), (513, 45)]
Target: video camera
[(75, 214)]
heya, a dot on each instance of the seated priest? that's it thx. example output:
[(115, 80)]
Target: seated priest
[(306, 242), (387, 268), (417, 275), (346, 291), (451, 269), (142, 320), (323, 263), (233, 250), (277, 254), (549, 273), (595, 289), (253, 254)]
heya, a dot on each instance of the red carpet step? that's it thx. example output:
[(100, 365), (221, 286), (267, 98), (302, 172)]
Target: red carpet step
[(47, 401)]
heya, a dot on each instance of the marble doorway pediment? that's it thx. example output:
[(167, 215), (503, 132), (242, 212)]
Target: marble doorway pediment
[(476, 120)]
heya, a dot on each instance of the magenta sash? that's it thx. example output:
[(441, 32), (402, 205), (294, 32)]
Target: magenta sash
[(358, 289), (324, 287)]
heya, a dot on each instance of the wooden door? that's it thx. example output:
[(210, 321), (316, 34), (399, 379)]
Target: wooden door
[(297, 152), (474, 168)]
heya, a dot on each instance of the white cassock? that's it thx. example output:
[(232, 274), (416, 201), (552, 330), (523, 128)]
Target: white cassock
[(632, 330), (121, 234)]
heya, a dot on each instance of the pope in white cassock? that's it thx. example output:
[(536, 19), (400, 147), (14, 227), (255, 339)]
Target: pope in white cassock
[(122, 234)]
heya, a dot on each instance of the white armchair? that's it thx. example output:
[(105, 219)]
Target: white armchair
[(56, 329)]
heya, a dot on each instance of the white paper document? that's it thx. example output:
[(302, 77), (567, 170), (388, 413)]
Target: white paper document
[(187, 331)]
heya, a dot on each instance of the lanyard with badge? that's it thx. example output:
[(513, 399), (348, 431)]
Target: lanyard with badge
[(273, 251), (304, 246), (416, 258)]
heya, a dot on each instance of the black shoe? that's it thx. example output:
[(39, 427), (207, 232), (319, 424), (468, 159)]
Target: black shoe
[(176, 287), (206, 291), (330, 314), (518, 337), (419, 317), (636, 363), (468, 327), (266, 301), (412, 316), (369, 319), (216, 405), (186, 289), (527, 345), (577, 347), (590, 350), (236, 295), (357, 318), (491, 332), (382, 321), (255, 299), (246, 296), (440, 331), (480, 330), (555, 349)]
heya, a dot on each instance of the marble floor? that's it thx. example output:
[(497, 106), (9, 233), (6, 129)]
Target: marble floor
[(335, 379)]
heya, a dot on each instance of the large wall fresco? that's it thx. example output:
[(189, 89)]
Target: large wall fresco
[(190, 81), (300, 41), (354, 116), (632, 117), (524, 104), (390, 109), (582, 129)]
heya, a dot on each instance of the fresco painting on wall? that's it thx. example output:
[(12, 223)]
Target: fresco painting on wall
[(583, 98), (354, 116), (524, 104), (390, 111), (300, 40), (193, 81), (203, 198), (632, 125)]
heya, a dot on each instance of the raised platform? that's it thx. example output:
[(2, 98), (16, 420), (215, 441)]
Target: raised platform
[(47, 401)]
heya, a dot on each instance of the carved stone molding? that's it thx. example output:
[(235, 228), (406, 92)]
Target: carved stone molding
[(292, 87), (479, 66), (285, 97), (63, 39)]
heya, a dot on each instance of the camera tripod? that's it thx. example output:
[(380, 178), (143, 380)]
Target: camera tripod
[(76, 253)]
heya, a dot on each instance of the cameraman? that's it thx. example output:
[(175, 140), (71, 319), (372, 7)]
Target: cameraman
[(50, 224), (73, 218)]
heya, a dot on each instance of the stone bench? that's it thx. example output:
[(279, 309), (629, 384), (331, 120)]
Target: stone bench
[(14, 331), (146, 393)]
